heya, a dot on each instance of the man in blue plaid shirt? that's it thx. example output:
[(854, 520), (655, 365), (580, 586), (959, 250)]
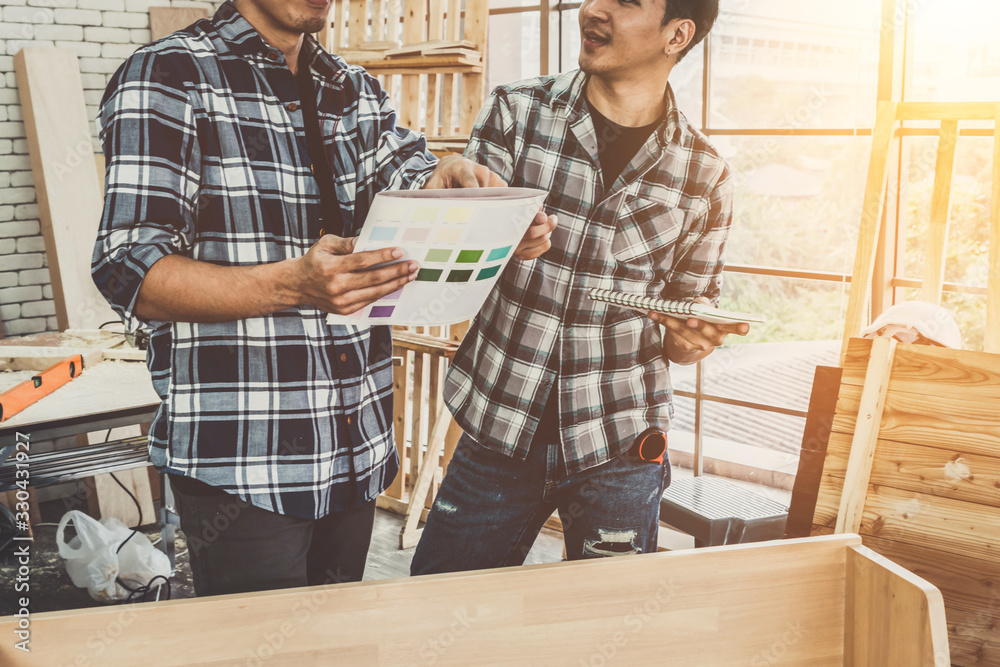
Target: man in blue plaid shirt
[(552, 389), (241, 159)]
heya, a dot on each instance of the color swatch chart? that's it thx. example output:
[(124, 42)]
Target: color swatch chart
[(462, 240)]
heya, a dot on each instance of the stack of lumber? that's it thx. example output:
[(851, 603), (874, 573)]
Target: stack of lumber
[(931, 498)]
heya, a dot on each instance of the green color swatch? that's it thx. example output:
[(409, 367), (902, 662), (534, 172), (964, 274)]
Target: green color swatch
[(462, 276), (438, 255), (429, 275), (469, 256), (488, 272), (499, 253)]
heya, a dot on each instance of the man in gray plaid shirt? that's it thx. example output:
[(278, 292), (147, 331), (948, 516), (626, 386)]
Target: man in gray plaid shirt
[(551, 388)]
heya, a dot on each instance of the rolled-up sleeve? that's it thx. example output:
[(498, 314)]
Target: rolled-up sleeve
[(402, 161), (151, 185), (492, 140)]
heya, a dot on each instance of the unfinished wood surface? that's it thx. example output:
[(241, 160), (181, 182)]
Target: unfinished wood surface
[(946, 111), (644, 608), (881, 627), (423, 480), (871, 220), (993, 282), (65, 178), (862, 451), (107, 388), (937, 230), (933, 501), (166, 20)]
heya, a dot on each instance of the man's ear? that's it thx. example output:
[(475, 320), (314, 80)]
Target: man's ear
[(679, 34)]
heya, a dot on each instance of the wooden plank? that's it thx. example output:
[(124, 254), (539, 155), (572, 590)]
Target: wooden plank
[(448, 90), (945, 473), (409, 535), (933, 371), (65, 177), (961, 426), (435, 20), (815, 436), (357, 23), (992, 343), (937, 230), (454, 19), (554, 614), (400, 398), (881, 628), (871, 220), (865, 437), (952, 526), (166, 20), (946, 111), (433, 104), (418, 401)]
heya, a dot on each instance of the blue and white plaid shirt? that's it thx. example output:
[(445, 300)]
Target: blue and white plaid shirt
[(206, 158), (659, 232)]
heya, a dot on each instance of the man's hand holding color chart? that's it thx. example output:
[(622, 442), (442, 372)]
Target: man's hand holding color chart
[(462, 240)]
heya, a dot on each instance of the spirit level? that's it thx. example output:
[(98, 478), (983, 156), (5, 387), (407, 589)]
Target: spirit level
[(39, 386)]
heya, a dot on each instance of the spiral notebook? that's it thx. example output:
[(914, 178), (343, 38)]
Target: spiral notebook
[(700, 311)]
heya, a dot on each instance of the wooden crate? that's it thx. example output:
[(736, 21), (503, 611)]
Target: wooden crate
[(932, 500), (814, 601)]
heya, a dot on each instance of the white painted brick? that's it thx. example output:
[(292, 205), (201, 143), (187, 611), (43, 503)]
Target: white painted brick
[(35, 15), (10, 311), (11, 129), (16, 2), (45, 261), (52, 3), (6, 213), (11, 80), (94, 81), (34, 277), (15, 45), (103, 5), (51, 324), (59, 32), (4, 179), (23, 327), (105, 35), (9, 96), (126, 20), (20, 146), (47, 291), (17, 195), (7, 246), (30, 244), (140, 36), (19, 228), (99, 65), (20, 294), (78, 16), (143, 5), (14, 113), (38, 309), (17, 31), (26, 212), (21, 179), (4, 114), (120, 51), (82, 49), (6, 63), (18, 262), (93, 97), (14, 162)]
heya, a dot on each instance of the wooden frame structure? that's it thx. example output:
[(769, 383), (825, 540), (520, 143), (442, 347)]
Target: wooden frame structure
[(839, 604), (890, 116), (913, 465)]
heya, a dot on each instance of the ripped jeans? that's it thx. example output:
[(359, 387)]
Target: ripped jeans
[(490, 508)]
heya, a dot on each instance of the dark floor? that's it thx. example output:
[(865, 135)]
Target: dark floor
[(52, 589)]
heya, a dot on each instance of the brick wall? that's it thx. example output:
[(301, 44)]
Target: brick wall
[(103, 33)]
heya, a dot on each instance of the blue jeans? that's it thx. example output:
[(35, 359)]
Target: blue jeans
[(491, 507)]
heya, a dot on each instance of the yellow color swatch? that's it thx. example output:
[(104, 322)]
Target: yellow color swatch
[(448, 235), (458, 214), (426, 213)]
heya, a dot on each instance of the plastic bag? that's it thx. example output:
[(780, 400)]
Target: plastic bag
[(92, 561)]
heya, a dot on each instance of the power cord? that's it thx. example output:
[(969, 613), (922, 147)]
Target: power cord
[(139, 593)]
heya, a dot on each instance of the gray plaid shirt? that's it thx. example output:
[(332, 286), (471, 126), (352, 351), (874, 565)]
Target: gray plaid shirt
[(660, 232)]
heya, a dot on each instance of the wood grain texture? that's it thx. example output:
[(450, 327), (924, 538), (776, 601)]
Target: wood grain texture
[(65, 177), (937, 230), (992, 343), (166, 20), (642, 608), (881, 627)]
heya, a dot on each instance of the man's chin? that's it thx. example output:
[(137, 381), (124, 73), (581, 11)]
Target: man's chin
[(311, 24)]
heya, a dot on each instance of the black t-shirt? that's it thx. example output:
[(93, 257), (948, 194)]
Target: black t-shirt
[(332, 222), (616, 146)]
